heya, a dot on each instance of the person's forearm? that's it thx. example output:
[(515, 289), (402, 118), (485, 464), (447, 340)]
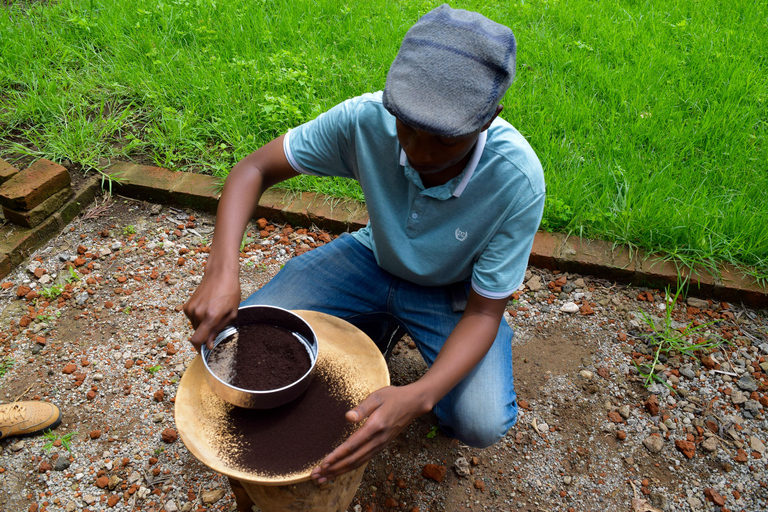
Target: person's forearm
[(236, 207), (239, 200), (470, 340)]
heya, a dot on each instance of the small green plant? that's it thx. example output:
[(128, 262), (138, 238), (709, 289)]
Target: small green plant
[(432, 432), (245, 241), (66, 440), (73, 277), (127, 310), (666, 339), (129, 230), (159, 450), (53, 292), (154, 369), (6, 365)]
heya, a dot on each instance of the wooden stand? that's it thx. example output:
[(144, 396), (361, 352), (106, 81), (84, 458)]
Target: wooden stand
[(363, 364)]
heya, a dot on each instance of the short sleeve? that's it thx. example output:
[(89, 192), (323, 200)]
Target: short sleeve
[(500, 269), (325, 145)]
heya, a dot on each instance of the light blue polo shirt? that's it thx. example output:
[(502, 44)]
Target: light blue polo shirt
[(479, 225)]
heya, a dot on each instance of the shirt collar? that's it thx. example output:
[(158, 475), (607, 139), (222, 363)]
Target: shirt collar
[(471, 166)]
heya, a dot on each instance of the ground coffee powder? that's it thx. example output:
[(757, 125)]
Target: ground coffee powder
[(260, 357), (291, 438)]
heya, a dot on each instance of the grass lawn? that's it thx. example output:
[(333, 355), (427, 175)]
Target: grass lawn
[(650, 118)]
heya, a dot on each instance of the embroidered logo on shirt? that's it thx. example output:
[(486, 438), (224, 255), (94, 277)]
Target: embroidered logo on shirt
[(461, 235)]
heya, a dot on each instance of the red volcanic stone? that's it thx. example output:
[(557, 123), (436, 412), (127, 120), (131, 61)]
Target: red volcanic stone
[(687, 448), (169, 435), (652, 405), (434, 472)]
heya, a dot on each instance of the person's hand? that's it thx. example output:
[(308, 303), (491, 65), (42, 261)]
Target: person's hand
[(212, 306), (388, 411)]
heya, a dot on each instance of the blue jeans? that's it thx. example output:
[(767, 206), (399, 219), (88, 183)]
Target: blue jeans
[(342, 279)]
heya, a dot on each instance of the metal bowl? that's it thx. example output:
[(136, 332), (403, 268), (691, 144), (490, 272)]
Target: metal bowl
[(252, 399)]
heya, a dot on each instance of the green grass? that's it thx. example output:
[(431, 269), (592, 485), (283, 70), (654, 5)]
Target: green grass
[(5, 365), (650, 118)]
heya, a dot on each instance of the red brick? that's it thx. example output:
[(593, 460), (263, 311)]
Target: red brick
[(149, 183), (196, 191), (33, 185), (545, 246), (40, 212), (7, 171)]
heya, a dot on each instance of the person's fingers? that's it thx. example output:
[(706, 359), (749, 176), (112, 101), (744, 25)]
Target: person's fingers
[(189, 311), (354, 459), (365, 408)]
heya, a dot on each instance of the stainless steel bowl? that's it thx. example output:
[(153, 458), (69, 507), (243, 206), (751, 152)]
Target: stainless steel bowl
[(252, 399)]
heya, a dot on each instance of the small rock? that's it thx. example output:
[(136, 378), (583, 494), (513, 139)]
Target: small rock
[(586, 374), (713, 496), (737, 397), (114, 481), (710, 444), (170, 506), (687, 448), (624, 411), (112, 501), (654, 444), (169, 435), (102, 482), (158, 417), (697, 303), (747, 383), (210, 497), (757, 445), (94, 434), (461, 466), (434, 472), (479, 485), (534, 283), (570, 308), (652, 405), (44, 466), (17, 446), (61, 463)]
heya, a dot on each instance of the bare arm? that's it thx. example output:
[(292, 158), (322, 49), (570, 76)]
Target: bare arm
[(214, 303), (391, 409)]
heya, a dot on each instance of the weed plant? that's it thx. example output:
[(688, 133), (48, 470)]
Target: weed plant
[(66, 440), (666, 339), (649, 117), (5, 365)]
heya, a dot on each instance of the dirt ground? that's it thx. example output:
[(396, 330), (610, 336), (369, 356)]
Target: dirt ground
[(110, 345)]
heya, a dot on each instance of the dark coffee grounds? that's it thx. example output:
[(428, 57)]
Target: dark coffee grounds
[(266, 357), (290, 438)]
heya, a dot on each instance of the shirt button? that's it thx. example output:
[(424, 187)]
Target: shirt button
[(414, 215)]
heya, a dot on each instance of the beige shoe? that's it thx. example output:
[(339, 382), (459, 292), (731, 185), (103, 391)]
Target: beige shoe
[(28, 418)]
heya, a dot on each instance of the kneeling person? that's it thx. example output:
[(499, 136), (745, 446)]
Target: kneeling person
[(454, 195)]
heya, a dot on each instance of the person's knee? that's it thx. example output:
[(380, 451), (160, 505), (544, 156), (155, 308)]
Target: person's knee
[(480, 429)]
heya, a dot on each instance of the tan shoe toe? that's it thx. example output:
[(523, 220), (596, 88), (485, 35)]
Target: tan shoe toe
[(28, 418)]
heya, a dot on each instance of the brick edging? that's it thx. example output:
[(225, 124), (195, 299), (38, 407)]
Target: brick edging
[(550, 250), (17, 243)]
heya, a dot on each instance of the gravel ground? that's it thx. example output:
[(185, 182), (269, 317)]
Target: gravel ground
[(107, 342)]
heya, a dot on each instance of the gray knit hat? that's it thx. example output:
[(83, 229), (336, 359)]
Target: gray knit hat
[(451, 72)]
